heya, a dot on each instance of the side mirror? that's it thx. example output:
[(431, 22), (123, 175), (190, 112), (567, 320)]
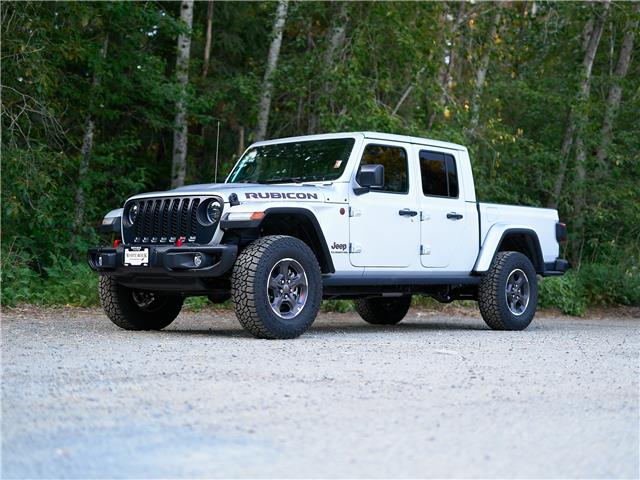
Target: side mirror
[(368, 177)]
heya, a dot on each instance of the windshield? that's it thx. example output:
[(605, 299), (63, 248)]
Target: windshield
[(292, 162)]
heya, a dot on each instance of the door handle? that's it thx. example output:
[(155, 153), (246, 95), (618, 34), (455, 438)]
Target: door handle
[(454, 216), (405, 212)]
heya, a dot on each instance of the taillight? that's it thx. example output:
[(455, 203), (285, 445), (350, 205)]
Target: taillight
[(561, 232)]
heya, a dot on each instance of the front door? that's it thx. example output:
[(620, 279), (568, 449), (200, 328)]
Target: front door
[(384, 224)]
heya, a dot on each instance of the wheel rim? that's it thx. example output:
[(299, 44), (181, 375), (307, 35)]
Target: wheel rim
[(287, 288), (146, 301), (517, 292)]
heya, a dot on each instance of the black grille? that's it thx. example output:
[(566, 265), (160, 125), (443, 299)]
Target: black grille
[(165, 220)]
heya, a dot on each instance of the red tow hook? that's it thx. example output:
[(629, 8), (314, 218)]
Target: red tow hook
[(179, 241), (116, 242)]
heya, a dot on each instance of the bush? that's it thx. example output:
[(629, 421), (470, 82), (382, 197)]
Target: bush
[(338, 306), (565, 293), (68, 283), (18, 279), (611, 284), (62, 283)]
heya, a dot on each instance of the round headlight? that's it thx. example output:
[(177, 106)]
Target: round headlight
[(214, 211), (133, 214)]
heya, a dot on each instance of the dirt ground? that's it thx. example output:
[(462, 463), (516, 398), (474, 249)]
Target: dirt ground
[(438, 395)]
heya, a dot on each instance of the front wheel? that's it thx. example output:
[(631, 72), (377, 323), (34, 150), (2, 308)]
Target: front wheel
[(137, 309), (508, 293), (276, 286)]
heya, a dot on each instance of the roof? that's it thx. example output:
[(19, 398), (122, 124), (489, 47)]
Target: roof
[(371, 135)]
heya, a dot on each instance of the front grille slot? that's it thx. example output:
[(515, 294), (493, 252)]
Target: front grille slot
[(165, 220)]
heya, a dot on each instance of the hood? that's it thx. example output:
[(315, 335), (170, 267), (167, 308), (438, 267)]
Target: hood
[(248, 191)]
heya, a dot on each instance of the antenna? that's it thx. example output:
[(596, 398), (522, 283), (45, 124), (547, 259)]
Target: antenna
[(215, 177)]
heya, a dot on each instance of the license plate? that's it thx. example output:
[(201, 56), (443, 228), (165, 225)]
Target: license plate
[(136, 257)]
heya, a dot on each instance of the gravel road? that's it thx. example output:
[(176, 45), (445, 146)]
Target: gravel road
[(436, 396)]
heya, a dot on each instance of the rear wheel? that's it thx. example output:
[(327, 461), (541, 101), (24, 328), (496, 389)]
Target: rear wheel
[(137, 309), (383, 310), (508, 293), (277, 287)]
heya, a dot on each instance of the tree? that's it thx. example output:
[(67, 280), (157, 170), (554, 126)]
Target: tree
[(179, 164), (579, 128), (335, 40), (447, 63), (481, 73), (85, 151), (207, 43), (264, 105), (592, 35), (615, 91)]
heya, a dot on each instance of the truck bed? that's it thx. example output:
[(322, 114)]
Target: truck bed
[(541, 220)]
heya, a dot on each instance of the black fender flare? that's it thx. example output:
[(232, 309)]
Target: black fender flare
[(326, 262)]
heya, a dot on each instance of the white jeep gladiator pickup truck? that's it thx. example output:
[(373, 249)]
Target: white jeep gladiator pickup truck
[(366, 216)]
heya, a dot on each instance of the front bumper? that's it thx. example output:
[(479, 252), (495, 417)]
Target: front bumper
[(166, 261)]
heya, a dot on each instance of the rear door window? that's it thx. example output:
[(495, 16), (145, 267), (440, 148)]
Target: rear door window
[(439, 174)]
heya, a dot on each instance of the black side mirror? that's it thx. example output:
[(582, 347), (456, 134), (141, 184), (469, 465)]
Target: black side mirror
[(368, 177)]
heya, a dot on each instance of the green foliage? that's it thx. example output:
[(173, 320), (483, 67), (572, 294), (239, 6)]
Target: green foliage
[(196, 304), (61, 283), (610, 284), (565, 293), (19, 280), (56, 75), (337, 306)]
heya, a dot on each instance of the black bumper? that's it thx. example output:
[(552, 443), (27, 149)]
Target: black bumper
[(557, 268), (168, 266)]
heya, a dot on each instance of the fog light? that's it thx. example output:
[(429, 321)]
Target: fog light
[(197, 260)]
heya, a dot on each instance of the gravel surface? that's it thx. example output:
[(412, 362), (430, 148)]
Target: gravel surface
[(436, 396)]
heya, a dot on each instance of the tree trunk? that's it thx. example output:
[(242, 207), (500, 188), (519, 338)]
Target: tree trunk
[(579, 201), (241, 146), (481, 74), (444, 72), (615, 91), (85, 152), (575, 118), (179, 163), (579, 198), (336, 38), (207, 43), (408, 90), (264, 105)]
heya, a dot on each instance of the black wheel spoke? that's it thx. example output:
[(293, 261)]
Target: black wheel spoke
[(287, 288)]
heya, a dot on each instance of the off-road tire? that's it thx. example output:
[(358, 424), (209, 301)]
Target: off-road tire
[(250, 293), (119, 305), (492, 297), (383, 310)]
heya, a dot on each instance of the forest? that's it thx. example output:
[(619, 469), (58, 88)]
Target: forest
[(101, 100)]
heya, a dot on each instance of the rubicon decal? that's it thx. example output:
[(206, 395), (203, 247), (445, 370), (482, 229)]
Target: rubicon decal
[(282, 196)]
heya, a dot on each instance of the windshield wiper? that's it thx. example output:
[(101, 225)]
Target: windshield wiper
[(283, 180)]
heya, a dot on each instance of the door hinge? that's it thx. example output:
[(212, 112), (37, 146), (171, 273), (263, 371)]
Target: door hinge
[(355, 248), (424, 216), (354, 213), (425, 250)]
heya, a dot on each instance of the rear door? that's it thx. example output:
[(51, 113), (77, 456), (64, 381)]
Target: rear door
[(445, 214), (384, 225)]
